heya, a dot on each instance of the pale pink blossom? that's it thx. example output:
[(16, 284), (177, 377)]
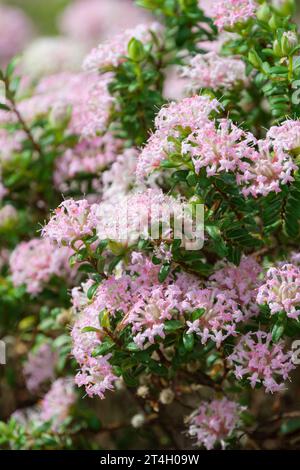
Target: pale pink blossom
[(286, 136), (266, 171), (228, 13), (87, 157), (82, 99), (56, 404), (214, 422), (16, 31), (220, 149), (39, 368), (260, 361), (190, 113), (281, 290), (242, 283), (215, 72), (96, 375), (50, 55), (112, 53), (92, 21), (71, 221), (34, 263)]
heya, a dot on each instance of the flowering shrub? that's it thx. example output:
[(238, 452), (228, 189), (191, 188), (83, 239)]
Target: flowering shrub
[(196, 339)]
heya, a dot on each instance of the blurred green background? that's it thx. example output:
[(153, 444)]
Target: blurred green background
[(43, 12)]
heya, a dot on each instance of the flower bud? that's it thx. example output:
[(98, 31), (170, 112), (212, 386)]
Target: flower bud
[(138, 420), (289, 41), (166, 396), (264, 13), (143, 391), (136, 51)]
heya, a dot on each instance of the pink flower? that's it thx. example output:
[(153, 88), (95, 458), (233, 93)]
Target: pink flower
[(16, 31), (34, 263), (261, 362), (214, 422), (266, 171), (218, 150), (241, 282), (120, 178), (112, 53), (286, 137), (87, 157), (96, 375), (82, 99), (220, 317), (71, 221), (39, 368), (138, 215), (189, 113), (214, 71), (56, 404), (281, 290), (91, 21), (228, 13)]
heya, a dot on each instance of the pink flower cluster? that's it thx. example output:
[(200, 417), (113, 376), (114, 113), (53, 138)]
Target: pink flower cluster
[(40, 368), (96, 376), (87, 157), (219, 149), (214, 422), (119, 179), (16, 31), (286, 136), (215, 72), (81, 98), (112, 53), (266, 171), (228, 13), (34, 263), (56, 404), (260, 167), (229, 298), (189, 113), (281, 290), (90, 21), (260, 361), (241, 282), (147, 213), (71, 221)]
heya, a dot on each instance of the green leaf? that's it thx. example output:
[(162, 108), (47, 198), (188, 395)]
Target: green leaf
[(290, 426), (188, 341), (91, 291), (278, 330), (164, 272), (173, 325), (132, 347), (4, 107), (103, 348), (198, 313)]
